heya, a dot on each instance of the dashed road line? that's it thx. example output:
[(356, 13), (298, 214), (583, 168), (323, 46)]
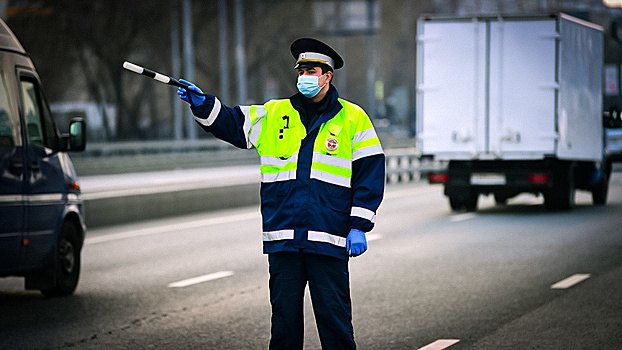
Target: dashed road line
[(440, 344), (570, 281), (200, 279), (462, 217), (372, 237)]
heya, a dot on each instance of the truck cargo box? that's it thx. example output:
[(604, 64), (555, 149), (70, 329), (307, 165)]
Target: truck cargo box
[(510, 88)]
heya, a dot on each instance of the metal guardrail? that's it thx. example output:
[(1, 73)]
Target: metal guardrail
[(406, 164)]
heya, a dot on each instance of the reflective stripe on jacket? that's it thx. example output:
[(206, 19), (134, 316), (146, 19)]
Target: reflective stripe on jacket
[(317, 184)]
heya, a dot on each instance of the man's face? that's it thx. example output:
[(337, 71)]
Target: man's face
[(317, 71)]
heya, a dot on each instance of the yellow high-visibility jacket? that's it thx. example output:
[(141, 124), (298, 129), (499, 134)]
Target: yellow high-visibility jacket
[(317, 184)]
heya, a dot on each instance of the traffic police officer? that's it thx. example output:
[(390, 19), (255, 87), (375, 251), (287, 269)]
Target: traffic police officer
[(322, 169)]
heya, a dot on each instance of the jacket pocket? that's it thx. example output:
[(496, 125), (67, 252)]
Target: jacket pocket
[(336, 203)]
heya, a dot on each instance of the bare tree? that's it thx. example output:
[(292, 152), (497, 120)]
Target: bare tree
[(97, 36)]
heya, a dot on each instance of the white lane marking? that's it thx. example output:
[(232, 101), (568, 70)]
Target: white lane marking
[(200, 279), (462, 217), (372, 237), (570, 281), (440, 344), (172, 227)]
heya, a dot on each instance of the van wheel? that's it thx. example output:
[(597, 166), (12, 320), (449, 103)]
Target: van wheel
[(67, 262)]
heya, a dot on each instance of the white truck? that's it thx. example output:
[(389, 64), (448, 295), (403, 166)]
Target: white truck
[(514, 105)]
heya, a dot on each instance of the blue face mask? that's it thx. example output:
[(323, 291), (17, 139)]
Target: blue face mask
[(308, 85)]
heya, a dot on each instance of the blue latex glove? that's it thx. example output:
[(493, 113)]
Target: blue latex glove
[(356, 244), (195, 100)]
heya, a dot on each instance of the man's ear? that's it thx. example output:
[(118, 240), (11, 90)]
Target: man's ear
[(330, 75)]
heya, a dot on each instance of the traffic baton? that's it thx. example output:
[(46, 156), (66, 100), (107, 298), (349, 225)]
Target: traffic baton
[(157, 76)]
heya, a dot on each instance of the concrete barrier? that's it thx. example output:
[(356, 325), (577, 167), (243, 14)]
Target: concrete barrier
[(124, 198), (148, 206)]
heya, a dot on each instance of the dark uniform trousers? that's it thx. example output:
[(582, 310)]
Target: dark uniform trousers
[(329, 285)]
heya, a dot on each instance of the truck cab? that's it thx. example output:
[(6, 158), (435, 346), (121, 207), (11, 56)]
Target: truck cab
[(42, 224)]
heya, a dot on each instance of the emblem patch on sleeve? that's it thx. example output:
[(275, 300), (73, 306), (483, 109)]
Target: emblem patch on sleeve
[(332, 144)]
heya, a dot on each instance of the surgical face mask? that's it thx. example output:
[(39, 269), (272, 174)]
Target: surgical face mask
[(308, 85)]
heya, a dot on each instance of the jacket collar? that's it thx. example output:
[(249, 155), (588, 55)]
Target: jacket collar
[(328, 107)]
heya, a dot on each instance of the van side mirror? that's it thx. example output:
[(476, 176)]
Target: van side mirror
[(75, 141)]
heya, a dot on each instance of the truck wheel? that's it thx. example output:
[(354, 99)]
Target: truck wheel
[(500, 199), (470, 201), (67, 262), (455, 203), (599, 192), (561, 195), (466, 200)]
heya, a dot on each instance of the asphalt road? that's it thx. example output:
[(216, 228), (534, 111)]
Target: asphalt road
[(431, 279)]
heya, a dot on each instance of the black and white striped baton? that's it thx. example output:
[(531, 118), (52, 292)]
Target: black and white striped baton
[(157, 76)]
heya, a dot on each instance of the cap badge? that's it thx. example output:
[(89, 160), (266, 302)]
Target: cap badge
[(332, 144)]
